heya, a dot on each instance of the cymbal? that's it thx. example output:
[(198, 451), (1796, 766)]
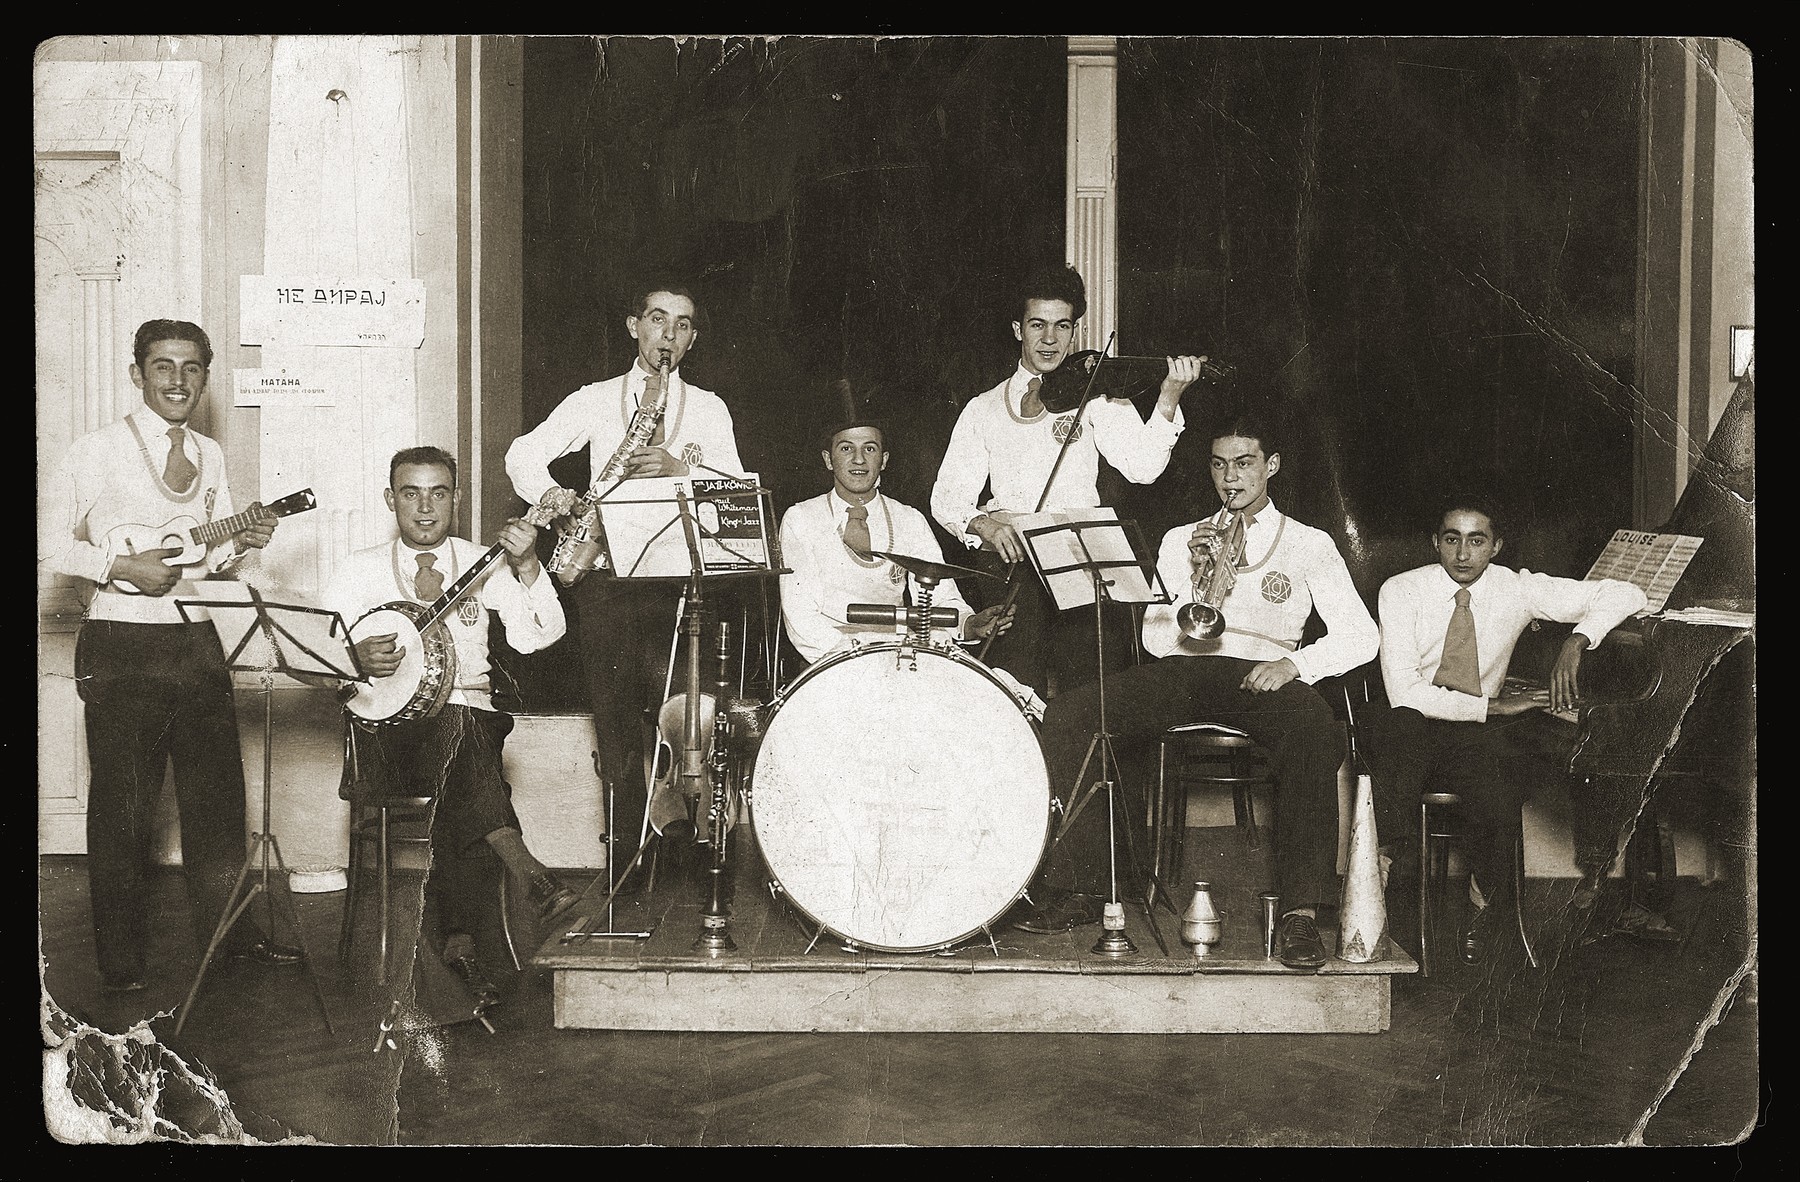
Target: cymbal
[(925, 568)]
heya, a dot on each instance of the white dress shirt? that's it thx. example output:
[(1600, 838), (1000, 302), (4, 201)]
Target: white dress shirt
[(533, 616), (993, 442), (1415, 609), (696, 429), (1292, 570), (824, 576), (113, 477)]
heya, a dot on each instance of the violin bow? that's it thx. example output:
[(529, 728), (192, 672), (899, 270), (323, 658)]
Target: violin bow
[(1013, 579)]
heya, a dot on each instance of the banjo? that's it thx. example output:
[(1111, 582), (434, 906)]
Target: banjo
[(427, 673)]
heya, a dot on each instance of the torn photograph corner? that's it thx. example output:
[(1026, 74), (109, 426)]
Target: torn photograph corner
[(747, 590)]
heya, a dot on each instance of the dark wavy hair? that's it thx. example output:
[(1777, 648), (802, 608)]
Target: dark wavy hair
[(152, 331), (1054, 283), (421, 455)]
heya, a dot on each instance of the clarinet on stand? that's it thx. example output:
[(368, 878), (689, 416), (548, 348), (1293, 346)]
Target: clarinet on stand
[(715, 938)]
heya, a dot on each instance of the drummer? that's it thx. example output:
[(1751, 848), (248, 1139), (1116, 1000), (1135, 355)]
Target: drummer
[(826, 541)]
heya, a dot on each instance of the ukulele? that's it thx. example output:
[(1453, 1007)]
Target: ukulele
[(192, 538)]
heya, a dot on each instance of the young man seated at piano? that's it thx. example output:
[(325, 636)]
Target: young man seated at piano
[(826, 544), (1447, 634), (456, 754)]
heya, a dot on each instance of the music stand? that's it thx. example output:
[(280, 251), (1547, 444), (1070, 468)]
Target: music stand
[(724, 531), (1102, 549), (271, 638)]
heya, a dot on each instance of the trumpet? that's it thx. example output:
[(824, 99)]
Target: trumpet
[(1214, 577)]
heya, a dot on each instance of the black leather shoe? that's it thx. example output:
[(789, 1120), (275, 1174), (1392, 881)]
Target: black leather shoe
[(1297, 943), (1475, 941), (553, 899), (1063, 913), (267, 951), (481, 988)]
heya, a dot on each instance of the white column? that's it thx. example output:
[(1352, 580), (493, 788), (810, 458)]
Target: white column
[(1091, 226), (101, 353)]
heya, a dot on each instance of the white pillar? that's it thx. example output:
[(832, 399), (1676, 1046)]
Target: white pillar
[(1091, 226), (97, 403)]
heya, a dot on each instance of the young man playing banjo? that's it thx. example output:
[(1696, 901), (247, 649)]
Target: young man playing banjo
[(453, 755)]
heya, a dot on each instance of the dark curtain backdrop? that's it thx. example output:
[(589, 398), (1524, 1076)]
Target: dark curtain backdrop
[(1422, 251)]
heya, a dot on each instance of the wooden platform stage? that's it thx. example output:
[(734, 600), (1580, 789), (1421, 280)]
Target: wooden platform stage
[(1018, 982)]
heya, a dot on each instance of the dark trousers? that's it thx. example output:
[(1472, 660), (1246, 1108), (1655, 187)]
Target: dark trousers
[(1046, 644), (156, 695), (625, 632), (1410, 754), (456, 758), (1293, 724)]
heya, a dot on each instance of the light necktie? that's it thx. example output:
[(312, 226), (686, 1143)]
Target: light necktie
[(1234, 539), (644, 399), (856, 529), (1032, 404), (1460, 669), (179, 472), (428, 584)]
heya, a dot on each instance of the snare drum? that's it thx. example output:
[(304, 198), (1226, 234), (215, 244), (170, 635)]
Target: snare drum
[(900, 797)]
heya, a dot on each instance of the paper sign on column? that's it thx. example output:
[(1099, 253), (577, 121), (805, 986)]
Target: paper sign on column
[(310, 310), (279, 387)]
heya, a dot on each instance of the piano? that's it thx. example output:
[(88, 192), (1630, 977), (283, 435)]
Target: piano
[(1666, 700)]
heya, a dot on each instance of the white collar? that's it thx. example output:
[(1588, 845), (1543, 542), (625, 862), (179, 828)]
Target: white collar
[(1268, 516), (839, 506), (152, 425), (1448, 586)]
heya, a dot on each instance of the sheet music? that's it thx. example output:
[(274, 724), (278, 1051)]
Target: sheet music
[(1654, 562), (1070, 548), (645, 538)]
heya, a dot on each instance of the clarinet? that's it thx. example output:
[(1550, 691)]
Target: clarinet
[(580, 538)]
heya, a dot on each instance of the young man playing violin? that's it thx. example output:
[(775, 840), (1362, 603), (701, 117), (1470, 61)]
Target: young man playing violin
[(1008, 440), (155, 683), (454, 756), (1253, 674)]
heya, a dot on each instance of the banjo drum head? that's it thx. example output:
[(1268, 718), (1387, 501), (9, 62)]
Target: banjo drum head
[(383, 699)]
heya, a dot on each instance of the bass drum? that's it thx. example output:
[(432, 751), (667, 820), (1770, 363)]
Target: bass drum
[(900, 799)]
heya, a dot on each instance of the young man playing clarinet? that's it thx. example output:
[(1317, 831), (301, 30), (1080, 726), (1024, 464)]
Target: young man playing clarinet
[(1006, 440), (625, 624)]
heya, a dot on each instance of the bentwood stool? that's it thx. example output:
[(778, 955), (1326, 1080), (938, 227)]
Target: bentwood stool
[(381, 823), (1435, 834), (1201, 754)]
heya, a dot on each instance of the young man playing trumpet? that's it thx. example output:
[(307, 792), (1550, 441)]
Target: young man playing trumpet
[(1271, 573)]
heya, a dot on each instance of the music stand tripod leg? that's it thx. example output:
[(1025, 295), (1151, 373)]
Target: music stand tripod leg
[(293, 919), (234, 910)]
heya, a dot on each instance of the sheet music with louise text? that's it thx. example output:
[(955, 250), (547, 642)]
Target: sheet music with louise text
[(1653, 562)]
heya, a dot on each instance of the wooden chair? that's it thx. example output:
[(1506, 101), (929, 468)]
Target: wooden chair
[(1435, 832), (383, 821), (1206, 755)]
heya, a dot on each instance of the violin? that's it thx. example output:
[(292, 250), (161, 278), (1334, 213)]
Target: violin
[(1065, 386), (688, 731)]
